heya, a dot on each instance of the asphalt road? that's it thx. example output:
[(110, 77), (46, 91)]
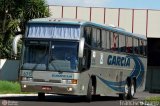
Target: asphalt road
[(59, 101), (56, 100)]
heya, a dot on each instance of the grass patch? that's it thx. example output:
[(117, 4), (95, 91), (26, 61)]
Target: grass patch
[(152, 101), (157, 99), (7, 87)]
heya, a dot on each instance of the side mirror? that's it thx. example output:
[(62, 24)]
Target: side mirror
[(81, 47), (15, 43)]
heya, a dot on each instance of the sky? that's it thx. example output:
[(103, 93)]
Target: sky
[(137, 4)]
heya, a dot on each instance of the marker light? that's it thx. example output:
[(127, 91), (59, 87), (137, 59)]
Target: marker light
[(73, 81)]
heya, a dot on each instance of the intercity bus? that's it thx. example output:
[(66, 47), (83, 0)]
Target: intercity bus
[(75, 57)]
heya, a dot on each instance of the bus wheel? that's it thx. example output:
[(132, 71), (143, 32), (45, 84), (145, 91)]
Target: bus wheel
[(90, 91), (124, 95), (41, 96), (131, 90)]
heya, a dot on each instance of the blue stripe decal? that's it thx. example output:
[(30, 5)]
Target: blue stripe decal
[(113, 85), (138, 72)]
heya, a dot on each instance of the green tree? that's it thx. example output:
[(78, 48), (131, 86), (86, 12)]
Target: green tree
[(14, 15)]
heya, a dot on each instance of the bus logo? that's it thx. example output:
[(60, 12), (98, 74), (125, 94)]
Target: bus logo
[(118, 61), (62, 76)]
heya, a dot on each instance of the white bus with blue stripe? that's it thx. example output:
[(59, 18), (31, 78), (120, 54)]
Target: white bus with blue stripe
[(74, 57)]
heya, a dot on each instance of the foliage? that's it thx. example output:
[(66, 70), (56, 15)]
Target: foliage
[(15, 14), (9, 87)]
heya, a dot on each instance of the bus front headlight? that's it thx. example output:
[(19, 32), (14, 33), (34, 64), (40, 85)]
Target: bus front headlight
[(26, 79), (30, 79)]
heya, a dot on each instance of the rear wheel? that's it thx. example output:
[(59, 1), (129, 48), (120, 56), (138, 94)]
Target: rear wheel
[(41, 96), (132, 90), (129, 91)]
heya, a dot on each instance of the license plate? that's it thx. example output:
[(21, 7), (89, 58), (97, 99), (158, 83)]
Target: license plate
[(47, 88)]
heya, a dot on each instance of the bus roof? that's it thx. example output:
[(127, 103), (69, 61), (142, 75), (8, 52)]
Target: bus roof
[(85, 23), (58, 21)]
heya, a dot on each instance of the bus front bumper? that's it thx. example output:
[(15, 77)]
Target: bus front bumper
[(45, 87)]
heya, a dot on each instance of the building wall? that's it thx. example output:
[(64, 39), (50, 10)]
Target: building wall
[(154, 23), (9, 69), (140, 21)]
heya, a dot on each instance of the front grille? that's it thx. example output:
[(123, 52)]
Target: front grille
[(42, 80), (55, 81), (39, 80)]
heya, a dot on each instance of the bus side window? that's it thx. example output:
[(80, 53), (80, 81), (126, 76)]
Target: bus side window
[(87, 35), (145, 48), (114, 41), (98, 40), (122, 43), (108, 40), (135, 45), (141, 47), (94, 37), (104, 39), (129, 47)]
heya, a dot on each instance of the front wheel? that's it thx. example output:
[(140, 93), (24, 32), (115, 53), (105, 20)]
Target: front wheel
[(41, 96), (91, 91)]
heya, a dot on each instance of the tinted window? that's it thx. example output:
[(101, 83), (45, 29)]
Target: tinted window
[(135, 46), (122, 43), (141, 47), (145, 48), (98, 38), (114, 41), (108, 40), (87, 34), (104, 39), (129, 48), (94, 32)]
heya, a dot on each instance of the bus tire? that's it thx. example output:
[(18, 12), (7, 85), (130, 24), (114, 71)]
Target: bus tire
[(124, 96), (132, 90), (90, 91), (41, 96)]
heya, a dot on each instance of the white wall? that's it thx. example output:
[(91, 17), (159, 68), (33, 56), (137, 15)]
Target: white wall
[(154, 24), (126, 19), (111, 17), (83, 13), (140, 21)]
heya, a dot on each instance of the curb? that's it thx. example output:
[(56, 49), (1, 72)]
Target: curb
[(17, 95), (21, 95)]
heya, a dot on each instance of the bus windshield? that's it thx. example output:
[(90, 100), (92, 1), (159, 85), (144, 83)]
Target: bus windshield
[(64, 56), (51, 56), (36, 55)]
